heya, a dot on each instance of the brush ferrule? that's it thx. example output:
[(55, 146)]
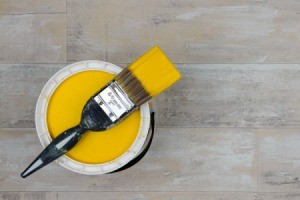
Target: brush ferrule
[(114, 101)]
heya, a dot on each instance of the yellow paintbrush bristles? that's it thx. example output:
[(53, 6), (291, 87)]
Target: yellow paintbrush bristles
[(148, 76)]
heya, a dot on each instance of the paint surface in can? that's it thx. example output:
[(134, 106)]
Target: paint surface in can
[(64, 111)]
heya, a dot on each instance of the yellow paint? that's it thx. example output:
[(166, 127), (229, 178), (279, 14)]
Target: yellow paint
[(64, 111), (155, 71)]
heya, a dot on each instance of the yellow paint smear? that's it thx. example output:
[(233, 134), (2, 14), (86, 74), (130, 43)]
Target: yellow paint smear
[(155, 71), (64, 111)]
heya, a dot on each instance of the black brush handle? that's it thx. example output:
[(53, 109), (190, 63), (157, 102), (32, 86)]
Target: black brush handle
[(93, 118), (59, 146)]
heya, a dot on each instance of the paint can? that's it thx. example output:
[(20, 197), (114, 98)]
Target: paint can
[(48, 110)]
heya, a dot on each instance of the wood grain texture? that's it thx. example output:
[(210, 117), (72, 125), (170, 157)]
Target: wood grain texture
[(209, 95), (32, 6), (179, 160), (155, 195), (20, 86), (147, 195), (178, 195), (28, 196), (232, 96), (227, 131), (86, 30), (278, 196), (192, 31), (33, 38), (279, 160)]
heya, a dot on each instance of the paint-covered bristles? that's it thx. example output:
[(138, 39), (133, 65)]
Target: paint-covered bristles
[(132, 86), (148, 76)]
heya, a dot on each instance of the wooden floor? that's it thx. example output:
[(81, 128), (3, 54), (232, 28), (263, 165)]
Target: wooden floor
[(229, 130)]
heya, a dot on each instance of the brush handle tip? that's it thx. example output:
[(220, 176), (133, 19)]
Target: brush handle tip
[(59, 146)]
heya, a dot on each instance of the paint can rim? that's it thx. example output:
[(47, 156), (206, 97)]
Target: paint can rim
[(44, 135)]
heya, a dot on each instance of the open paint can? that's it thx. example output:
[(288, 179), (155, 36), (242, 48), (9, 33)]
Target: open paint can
[(59, 107)]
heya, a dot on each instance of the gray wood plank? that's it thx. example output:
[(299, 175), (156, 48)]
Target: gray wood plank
[(32, 6), (209, 95), (278, 196), (33, 38), (28, 195), (192, 31), (20, 86), (156, 195), (179, 160), (178, 195), (86, 30), (279, 160), (228, 95)]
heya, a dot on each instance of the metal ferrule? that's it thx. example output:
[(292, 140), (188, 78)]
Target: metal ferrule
[(114, 101)]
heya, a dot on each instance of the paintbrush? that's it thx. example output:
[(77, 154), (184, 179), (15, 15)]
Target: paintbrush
[(145, 78)]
